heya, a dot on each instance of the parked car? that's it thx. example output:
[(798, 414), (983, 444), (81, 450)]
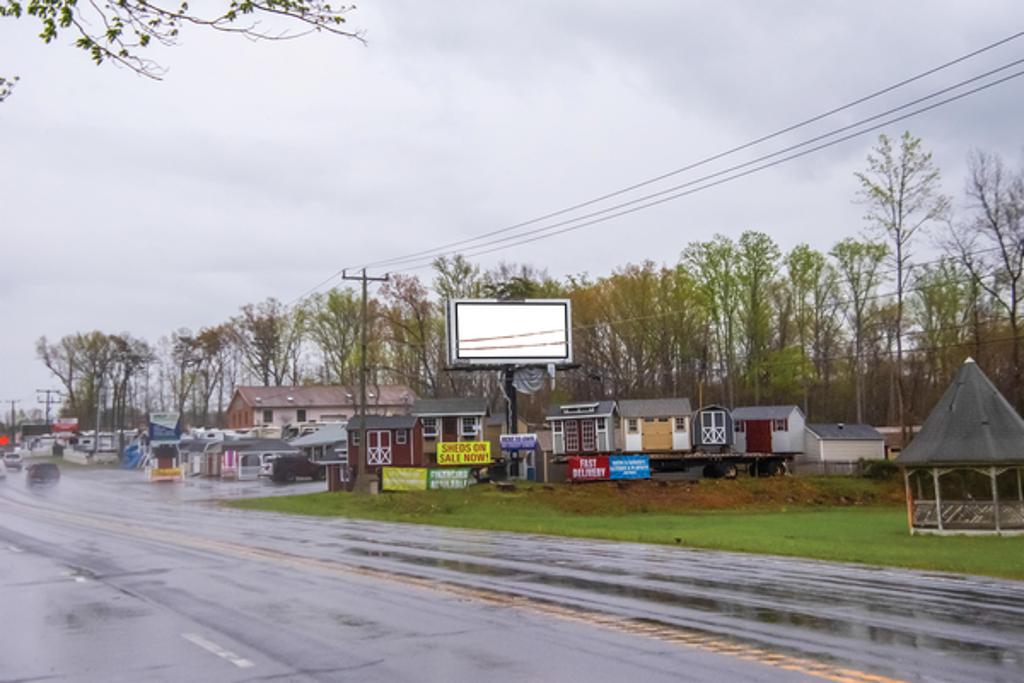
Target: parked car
[(288, 467), (13, 460), (3, 469), (42, 473)]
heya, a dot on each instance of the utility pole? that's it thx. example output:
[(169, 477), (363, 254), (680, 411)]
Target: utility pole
[(48, 401), (99, 407), (358, 483), (14, 426)]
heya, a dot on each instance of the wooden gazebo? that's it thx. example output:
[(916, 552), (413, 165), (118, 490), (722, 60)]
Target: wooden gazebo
[(964, 471)]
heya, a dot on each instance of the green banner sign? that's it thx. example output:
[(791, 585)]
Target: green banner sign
[(421, 478), (450, 478)]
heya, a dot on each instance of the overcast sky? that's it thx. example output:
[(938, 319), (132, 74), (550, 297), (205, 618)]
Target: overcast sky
[(258, 170)]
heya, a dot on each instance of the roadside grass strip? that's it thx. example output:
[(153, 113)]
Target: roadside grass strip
[(811, 521)]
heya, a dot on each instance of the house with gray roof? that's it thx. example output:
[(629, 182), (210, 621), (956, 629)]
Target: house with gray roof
[(841, 442), (655, 425), (769, 429)]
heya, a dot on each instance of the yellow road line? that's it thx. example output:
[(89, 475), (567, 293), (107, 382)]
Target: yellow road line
[(690, 638)]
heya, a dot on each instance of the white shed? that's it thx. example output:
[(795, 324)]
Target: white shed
[(839, 442), (655, 425), (769, 429)]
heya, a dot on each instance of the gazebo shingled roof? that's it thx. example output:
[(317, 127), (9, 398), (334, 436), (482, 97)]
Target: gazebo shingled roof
[(972, 424)]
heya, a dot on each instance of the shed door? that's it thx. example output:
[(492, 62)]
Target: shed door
[(589, 435), (449, 429), (712, 427), (378, 447), (657, 434), (572, 436), (759, 436)]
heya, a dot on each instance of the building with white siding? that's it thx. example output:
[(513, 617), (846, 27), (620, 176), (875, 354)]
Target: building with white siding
[(769, 429), (840, 442)]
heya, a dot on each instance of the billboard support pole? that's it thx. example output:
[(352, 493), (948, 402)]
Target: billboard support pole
[(513, 407)]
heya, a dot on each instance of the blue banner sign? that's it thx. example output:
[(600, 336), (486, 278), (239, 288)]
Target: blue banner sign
[(629, 467), (518, 442), (164, 427)]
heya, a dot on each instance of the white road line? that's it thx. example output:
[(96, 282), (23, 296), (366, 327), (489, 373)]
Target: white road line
[(80, 579), (216, 649)]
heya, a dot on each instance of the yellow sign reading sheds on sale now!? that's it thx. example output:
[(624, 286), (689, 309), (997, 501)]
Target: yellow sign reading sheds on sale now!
[(464, 453)]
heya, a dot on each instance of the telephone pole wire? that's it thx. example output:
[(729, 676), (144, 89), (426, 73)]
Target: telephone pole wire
[(360, 483)]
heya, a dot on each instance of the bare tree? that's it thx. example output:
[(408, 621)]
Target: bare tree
[(990, 244)]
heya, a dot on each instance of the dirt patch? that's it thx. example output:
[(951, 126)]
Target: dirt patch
[(739, 494)]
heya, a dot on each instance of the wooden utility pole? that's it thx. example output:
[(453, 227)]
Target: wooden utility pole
[(48, 401), (13, 426), (359, 482)]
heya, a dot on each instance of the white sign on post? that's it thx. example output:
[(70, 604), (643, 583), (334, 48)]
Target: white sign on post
[(494, 332)]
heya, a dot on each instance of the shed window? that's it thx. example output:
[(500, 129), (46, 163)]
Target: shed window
[(739, 426), (401, 437), (300, 415), (469, 426), (633, 425), (680, 424), (556, 427), (268, 416), (430, 427), (780, 425), (355, 438)]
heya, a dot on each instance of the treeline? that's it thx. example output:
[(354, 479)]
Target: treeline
[(863, 332)]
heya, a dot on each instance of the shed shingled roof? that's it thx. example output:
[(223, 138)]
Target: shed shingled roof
[(838, 431), (764, 412), (971, 424), (654, 407), (383, 422)]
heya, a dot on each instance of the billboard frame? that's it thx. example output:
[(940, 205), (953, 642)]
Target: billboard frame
[(451, 331)]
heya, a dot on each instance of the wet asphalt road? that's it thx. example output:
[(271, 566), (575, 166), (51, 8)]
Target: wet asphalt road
[(105, 577)]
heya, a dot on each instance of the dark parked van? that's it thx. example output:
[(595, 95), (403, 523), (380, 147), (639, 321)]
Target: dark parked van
[(288, 467)]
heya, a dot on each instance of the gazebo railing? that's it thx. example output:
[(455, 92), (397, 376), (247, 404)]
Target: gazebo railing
[(968, 514)]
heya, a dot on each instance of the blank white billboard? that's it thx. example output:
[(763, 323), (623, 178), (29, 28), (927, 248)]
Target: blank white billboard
[(526, 332)]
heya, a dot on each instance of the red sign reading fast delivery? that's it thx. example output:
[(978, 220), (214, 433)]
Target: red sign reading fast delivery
[(591, 468)]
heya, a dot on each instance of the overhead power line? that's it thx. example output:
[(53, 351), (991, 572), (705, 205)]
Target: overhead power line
[(547, 232), (705, 160)]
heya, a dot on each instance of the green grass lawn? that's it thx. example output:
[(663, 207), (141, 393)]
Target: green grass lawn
[(873, 534)]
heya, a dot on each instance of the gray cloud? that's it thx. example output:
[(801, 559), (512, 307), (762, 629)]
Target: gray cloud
[(258, 170)]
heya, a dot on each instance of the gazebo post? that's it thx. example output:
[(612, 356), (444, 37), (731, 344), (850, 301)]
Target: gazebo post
[(910, 503), (938, 497), (995, 496)]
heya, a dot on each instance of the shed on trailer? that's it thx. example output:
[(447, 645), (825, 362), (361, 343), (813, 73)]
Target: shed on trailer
[(712, 429), (656, 425), (769, 429)]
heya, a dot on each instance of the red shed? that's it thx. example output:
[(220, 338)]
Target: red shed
[(393, 441)]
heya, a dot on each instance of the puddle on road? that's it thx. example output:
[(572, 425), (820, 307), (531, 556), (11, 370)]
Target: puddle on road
[(847, 629)]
